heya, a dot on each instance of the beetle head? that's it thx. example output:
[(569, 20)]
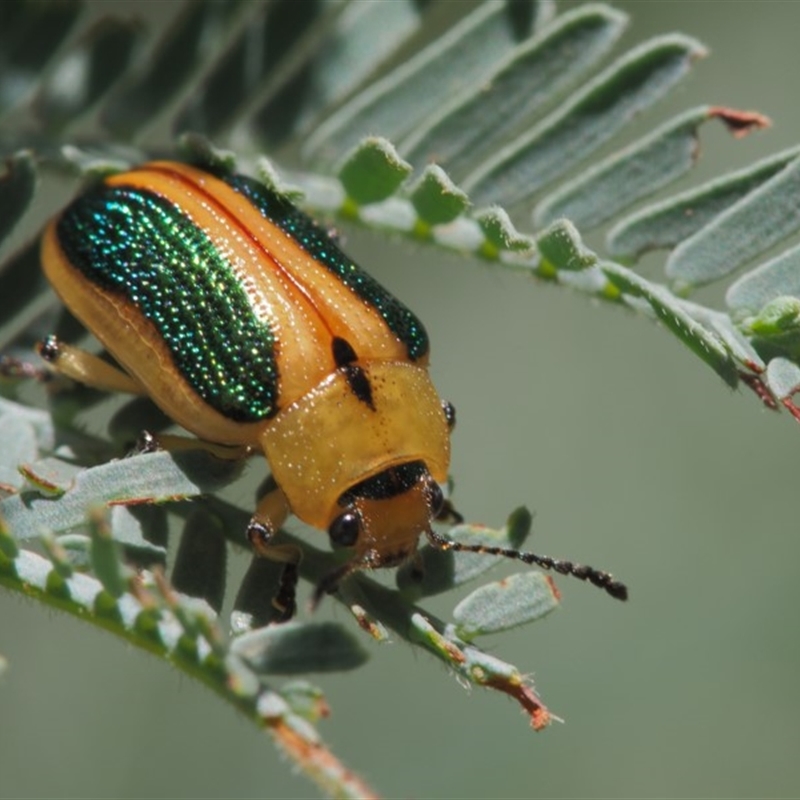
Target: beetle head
[(382, 519), (385, 515)]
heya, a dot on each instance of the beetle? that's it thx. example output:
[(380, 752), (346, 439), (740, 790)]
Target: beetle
[(246, 324)]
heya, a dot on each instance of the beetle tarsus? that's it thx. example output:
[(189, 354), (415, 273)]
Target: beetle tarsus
[(49, 348), (147, 443), (284, 600)]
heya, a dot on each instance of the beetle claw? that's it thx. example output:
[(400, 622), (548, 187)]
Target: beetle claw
[(147, 442)]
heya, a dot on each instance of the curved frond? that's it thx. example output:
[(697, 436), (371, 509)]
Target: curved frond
[(505, 135)]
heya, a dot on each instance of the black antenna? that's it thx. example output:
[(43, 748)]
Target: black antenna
[(604, 580)]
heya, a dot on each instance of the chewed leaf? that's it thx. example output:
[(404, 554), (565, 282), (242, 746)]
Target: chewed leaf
[(500, 232), (601, 192), (50, 476), (306, 700), (562, 248), (299, 647), (511, 117), (200, 150), (105, 557), (512, 601), (479, 668), (77, 548)]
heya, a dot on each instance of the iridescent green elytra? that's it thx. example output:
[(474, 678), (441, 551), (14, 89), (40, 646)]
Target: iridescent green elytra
[(136, 243), (143, 247)]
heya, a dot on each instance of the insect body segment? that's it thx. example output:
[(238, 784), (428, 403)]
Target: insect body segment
[(246, 324)]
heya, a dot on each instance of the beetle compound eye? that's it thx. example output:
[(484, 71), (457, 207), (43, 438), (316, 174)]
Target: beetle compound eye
[(344, 529), (449, 413)]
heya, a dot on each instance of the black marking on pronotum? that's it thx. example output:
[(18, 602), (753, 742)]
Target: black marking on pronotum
[(345, 358), (359, 384)]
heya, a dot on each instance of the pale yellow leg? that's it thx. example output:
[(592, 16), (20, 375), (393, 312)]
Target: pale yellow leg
[(150, 442), (272, 509), (86, 368)]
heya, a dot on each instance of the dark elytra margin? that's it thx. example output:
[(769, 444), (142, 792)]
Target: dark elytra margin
[(138, 245), (316, 242)]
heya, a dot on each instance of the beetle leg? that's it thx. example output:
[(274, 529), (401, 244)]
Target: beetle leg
[(271, 513), (86, 368), (151, 442)]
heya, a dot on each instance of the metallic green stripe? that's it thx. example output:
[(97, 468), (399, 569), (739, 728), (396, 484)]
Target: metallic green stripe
[(142, 247), (319, 245)]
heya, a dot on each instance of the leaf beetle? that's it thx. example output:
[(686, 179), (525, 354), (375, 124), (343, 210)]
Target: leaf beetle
[(244, 322)]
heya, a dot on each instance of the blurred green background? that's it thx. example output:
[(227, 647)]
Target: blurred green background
[(635, 458)]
